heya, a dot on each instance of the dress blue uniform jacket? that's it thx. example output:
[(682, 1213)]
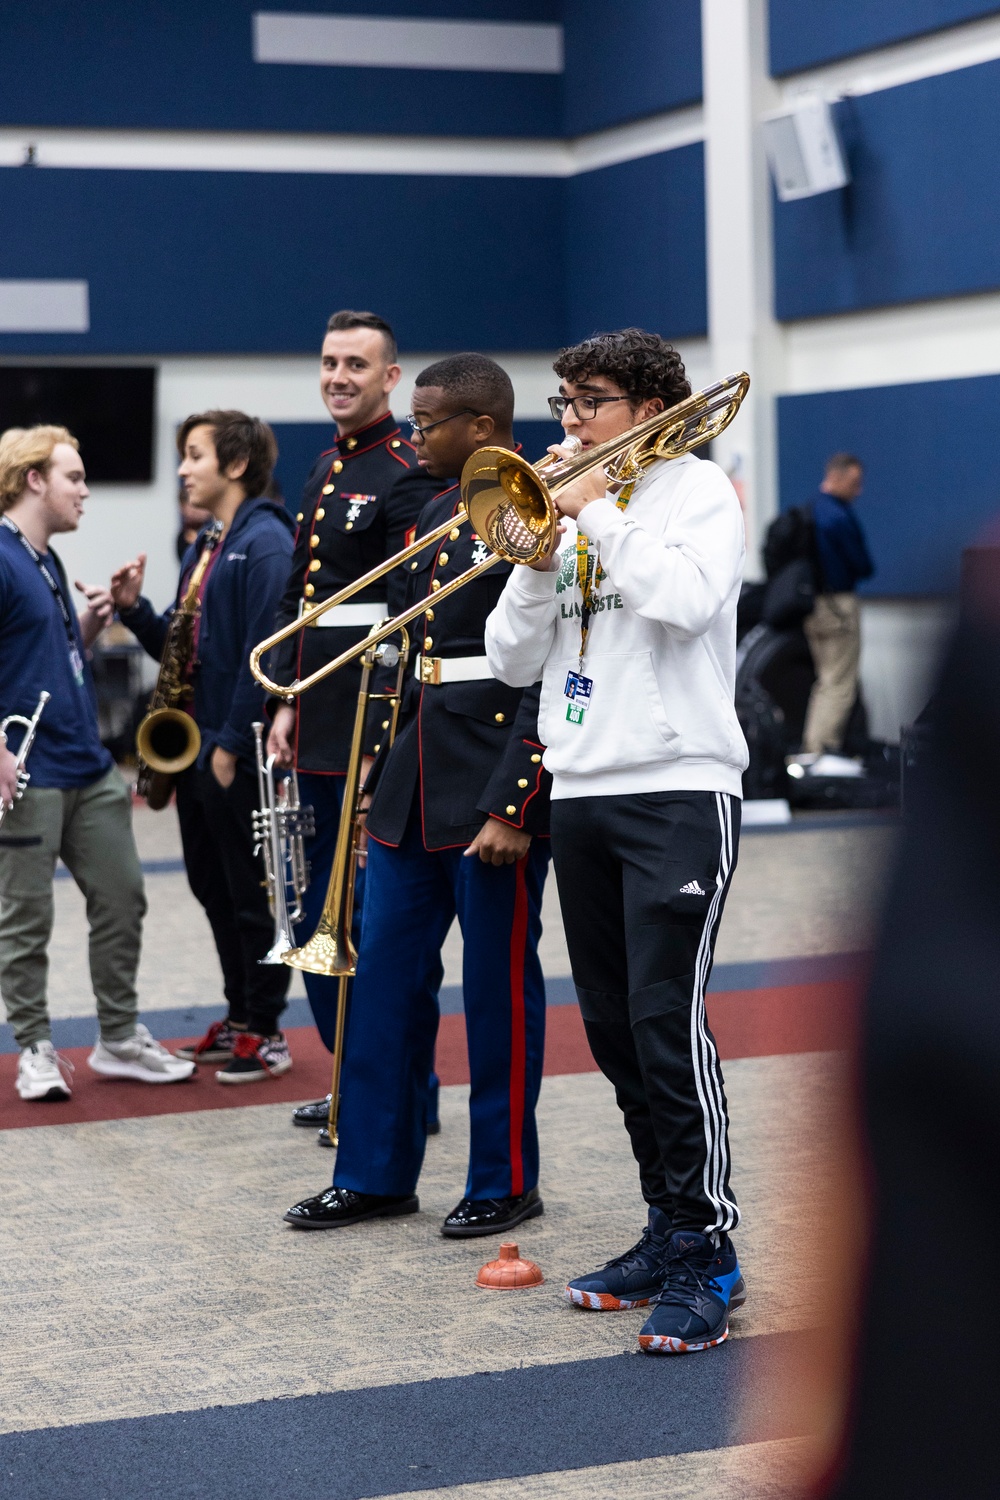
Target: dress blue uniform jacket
[(239, 600), (360, 506), (466, 750)]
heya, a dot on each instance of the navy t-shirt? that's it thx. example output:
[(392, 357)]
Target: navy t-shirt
[(34, 657)]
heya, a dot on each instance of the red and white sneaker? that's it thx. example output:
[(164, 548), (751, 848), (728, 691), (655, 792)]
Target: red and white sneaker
[(216, 1046), (255, 1058)]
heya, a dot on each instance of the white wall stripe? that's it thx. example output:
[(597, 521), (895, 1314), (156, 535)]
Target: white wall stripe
[(387, 42), (906, 62), (44, 306), (222, 151)]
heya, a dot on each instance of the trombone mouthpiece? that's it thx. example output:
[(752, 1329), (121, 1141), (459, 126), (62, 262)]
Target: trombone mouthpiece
[(571, 445)]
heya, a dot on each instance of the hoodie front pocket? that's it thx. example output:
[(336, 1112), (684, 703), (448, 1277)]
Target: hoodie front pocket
[(624, 723)]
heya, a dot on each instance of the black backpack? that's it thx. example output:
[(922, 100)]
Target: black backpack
[(792, 569)]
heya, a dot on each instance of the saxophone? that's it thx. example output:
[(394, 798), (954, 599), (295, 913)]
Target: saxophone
[(168, 739)]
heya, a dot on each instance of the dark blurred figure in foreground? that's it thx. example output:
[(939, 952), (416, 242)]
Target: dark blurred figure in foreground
[(924, 1404)]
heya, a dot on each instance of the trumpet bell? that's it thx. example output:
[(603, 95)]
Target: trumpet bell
[(168, 740), (509, 505)]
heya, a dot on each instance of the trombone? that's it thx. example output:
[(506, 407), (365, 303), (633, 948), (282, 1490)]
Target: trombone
[(513, 506)]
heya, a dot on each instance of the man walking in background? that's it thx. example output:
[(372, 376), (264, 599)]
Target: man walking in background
[(833, 630)]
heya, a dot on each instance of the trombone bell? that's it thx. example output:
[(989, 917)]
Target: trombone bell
[(509, 505)]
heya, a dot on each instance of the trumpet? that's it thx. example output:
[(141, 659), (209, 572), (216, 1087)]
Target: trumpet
[(22, 777), (513, 506), (280, 827)]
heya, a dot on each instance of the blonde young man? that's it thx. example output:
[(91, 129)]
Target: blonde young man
[(631, 625), (77, 806)]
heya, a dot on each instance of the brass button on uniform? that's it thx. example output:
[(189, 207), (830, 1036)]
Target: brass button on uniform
[(328, 489), (338, 464), (310, 590), (385, 723), (428, 643), (500, 718), (414, 566), (434, 586), (299, 516), (377, 749), (535, 759), (320, 513), (522, 781), (511, 809), (314, 540), (394, 443), (315, 565), (349, 526), (443, 559), (454, 534), (428, 614), (352, 442)]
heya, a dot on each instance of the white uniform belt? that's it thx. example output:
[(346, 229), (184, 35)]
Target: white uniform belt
[(351, 614), (438, 669)]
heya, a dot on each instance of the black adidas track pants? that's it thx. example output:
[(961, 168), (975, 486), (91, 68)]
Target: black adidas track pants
[(642, 882)]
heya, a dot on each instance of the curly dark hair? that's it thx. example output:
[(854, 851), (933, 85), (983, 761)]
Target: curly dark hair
[(641, 364)]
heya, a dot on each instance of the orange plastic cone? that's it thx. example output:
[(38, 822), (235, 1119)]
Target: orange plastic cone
[(509, 1272)]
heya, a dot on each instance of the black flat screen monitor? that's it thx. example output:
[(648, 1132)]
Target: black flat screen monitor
[(108, 409)]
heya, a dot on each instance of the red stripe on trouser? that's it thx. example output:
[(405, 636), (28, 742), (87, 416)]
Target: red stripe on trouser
[(518, 1062)]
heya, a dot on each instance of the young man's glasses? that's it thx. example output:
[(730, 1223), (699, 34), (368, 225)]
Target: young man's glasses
[(584, 406), (419, 431)]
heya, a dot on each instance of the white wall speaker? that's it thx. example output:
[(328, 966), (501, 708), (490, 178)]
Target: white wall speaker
[(804, 150)]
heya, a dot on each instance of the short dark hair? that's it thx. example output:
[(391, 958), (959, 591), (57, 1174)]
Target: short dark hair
[(838, 462), (340, 322), (641, 364), (475, 381), (237, 436)]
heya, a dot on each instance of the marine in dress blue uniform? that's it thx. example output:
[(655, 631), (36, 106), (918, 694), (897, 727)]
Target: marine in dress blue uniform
[(467, 754)]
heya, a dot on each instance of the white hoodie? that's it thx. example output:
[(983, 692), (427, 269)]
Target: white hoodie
[(661, 649)]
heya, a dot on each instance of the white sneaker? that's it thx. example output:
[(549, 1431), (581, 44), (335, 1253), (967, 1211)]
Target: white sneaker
[(139, 1056), (41, 1073)]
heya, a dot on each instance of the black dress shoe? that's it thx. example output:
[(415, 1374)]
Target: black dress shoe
[(312, 1114), (476, 1216), (434, 1127), (339, 1206)]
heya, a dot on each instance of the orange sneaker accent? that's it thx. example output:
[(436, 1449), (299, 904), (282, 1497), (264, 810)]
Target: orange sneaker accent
[(659, 1343), (510, 1272)]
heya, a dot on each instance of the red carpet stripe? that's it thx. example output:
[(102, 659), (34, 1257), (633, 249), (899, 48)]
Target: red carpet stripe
[(747, 1023)]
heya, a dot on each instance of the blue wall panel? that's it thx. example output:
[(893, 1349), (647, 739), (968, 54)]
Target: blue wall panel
[(301, 443), (921, 217), (625, 61), (635, 238), (805, 34), (246, 262), (188, 64), (932, 470)]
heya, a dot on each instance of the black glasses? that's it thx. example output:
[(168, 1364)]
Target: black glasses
[(584, 406), (419, 431)]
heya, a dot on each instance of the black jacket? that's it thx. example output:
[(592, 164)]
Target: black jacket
[(360, 504), (467, 749), (240, 595)]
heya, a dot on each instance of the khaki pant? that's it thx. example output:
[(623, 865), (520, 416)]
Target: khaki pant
[(833, 631), (91, 829)]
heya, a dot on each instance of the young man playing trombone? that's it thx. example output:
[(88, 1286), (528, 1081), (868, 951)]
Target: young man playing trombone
[(456, 803), (631, 625)]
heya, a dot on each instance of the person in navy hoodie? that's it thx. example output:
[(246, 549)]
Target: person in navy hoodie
[(227, 459)]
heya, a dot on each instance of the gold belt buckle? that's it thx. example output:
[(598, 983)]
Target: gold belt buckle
[(430, 670)]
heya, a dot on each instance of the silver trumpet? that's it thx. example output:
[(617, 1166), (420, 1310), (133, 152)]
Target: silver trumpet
[(280, 827), (30, 726)]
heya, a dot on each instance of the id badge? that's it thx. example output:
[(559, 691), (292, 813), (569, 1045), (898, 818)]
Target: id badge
[(578, 690), (76, 666)]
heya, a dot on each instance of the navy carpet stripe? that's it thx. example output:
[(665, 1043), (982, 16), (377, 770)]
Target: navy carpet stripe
[(435, 1433), (191, 1020)]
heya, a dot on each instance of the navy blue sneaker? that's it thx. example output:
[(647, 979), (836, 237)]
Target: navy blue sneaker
[(630, 1279), (702, 1284)]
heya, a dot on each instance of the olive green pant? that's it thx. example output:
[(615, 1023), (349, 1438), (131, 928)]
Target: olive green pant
[(91, 829)]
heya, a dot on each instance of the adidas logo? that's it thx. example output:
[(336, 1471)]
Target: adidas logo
[(692, 889)]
